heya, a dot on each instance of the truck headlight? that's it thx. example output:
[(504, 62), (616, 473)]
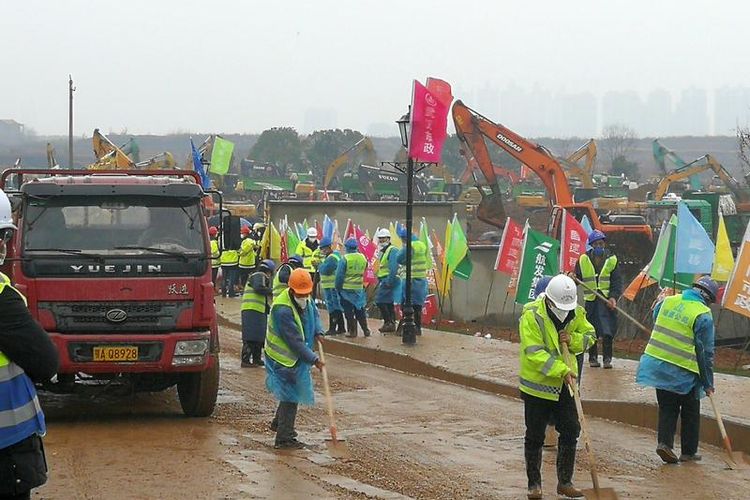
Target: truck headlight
[(191, 347)]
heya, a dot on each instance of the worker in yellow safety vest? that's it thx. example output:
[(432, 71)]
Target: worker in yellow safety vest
[(256, 304), (679, 363), (247, 256), (598, 271), (419, 263), (230, 259), (553, 319), (213, 233), (350, 285), (309, 250), (293, 328)]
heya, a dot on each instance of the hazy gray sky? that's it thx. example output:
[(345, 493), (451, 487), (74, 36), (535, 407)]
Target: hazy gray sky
[(160, 66)]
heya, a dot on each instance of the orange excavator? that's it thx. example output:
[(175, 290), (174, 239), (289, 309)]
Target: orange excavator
[(634, 242), (471, 166)]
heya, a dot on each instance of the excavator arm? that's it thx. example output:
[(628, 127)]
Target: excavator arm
[(699, 166), (364, 145), (585, 172), (108, 156)]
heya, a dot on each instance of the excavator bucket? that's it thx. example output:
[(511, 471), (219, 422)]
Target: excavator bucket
[(491, 209)]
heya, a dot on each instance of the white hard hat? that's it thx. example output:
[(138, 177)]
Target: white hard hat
[(312, 233), (6, 215), (562, 291), (383, 233)]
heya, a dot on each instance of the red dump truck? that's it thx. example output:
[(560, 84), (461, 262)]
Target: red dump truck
[(116, 267)]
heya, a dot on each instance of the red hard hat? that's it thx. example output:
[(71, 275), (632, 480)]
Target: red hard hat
[(245, 230), (213, 231)]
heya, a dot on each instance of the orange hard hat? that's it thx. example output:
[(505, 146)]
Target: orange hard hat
[(213, 231), (244, 230), (300, 282)]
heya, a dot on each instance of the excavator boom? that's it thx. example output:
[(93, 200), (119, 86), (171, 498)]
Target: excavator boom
[(696, 167), (363, 145), (585, 172)]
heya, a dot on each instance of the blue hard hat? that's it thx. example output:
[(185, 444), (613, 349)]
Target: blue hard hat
[(295, 261), (541, 285), (596, 235), (325, 242), (401, 231), (708, 285), (267, 265), (351, 243)]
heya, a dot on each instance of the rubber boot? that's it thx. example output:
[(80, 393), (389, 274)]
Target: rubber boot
[(340, 325), (331, 324), (418, 319), (387, 327), (245, 361), (534, 472), (566, 462), (362, 319), (351, 324)]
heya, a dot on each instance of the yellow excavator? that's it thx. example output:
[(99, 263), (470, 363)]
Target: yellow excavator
[(363, 146), (584, 172), (703, 164), (111, 157)]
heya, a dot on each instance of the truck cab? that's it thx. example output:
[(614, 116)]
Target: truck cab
[(116, 267)]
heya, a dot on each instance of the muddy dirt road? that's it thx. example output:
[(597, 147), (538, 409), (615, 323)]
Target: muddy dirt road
[(409, 437)]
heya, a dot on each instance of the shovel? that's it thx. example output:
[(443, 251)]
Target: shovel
[(597, 493), (735, 460), (336, 446)]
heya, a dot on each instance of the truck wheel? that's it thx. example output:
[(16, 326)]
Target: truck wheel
[(197, 391)]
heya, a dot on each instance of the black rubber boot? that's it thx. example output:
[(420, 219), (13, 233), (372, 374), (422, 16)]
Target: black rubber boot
[(362, 319), (331, 324), (340, 325), (351, 324), (533, 467), (247, 349), (418, 319), (566, 462)]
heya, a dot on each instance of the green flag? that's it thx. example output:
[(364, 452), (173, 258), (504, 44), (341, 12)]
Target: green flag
[(458, 247), (291, 241), (424, 237), (465, 267), (221, 156), (659, 259), (540, 257)]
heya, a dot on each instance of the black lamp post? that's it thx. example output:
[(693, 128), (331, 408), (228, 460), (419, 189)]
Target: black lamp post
[(409, 332)]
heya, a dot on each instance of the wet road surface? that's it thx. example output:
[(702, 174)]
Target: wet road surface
[(408, 437)]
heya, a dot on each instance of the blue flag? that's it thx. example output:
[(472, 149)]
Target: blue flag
[(198, 166), (327, 228), (587, 227), (694, 250)]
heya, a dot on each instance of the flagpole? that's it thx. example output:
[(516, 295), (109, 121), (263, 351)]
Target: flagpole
[(487, 302), (502, 311)]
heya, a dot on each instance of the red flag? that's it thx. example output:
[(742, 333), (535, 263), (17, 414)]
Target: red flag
[(509, 252), (429, 122), (284, 253), (573, 242), (325, 195), (349, 231), (319, 229), (368, 249), (441, 89)]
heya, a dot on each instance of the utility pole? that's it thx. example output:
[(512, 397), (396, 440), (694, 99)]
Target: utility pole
[(71, 89)]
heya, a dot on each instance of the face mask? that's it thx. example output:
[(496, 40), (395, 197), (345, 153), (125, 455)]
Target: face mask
[(559, 313), (382, 246), (598, 251), (301, 302), (3, 252)]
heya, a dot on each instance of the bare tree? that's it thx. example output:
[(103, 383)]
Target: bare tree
[(743, 138), (617, 141)]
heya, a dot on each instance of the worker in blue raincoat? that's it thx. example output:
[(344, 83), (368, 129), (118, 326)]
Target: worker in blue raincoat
[(327, 271), (293, 327), (350, 285), (419, 264), (388, 280)]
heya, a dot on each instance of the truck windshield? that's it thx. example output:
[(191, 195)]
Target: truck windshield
[(114, 225)]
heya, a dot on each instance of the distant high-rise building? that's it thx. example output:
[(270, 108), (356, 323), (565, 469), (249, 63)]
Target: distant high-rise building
[(623, 108), (731, 108), (657, 114), (578, 115), (691, 113), (319, 119)]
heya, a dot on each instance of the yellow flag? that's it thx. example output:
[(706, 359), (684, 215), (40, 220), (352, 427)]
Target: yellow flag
[(723, 259), (444, 284), (265, 244), (275, 243), (395, 240)]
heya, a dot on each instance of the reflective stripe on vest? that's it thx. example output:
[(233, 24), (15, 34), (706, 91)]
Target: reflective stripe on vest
[(384, 269), (672, 338), (215, 254), (252, 300), (229, 258), (418, 260), (247, 253), (20, 412), (276, 347), (356, 263), (590, 279), (328, 281)]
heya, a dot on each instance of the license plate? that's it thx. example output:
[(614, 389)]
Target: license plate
[(115, 353)]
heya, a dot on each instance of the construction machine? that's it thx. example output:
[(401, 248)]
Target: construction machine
[(662, 154), (634, 242), (363, 146), (584, 172), (112, 157), (703, 164), (51, 160)]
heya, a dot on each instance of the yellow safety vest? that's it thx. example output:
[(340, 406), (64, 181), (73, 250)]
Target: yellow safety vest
[(591, 281), (354, 278), (384, 269), (215, 254), (542, 366), (229, 258), (418, 259), (252, 300), (672, 338), (278, 286), (247, 253), (328, 281), (310, 258), (276, 347)]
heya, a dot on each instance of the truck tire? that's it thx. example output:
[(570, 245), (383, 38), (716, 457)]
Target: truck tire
[(197, 391)]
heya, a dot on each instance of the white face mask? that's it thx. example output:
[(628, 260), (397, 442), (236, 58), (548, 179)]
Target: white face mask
[(3, 253), (560, 314), (301, 302)]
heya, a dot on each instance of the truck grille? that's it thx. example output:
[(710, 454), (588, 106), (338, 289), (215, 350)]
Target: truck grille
[(115, 317)]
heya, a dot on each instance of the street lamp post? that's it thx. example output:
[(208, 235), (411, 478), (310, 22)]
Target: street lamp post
[(409, 332)]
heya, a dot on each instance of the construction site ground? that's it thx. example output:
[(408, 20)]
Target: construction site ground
[(409, 434)]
